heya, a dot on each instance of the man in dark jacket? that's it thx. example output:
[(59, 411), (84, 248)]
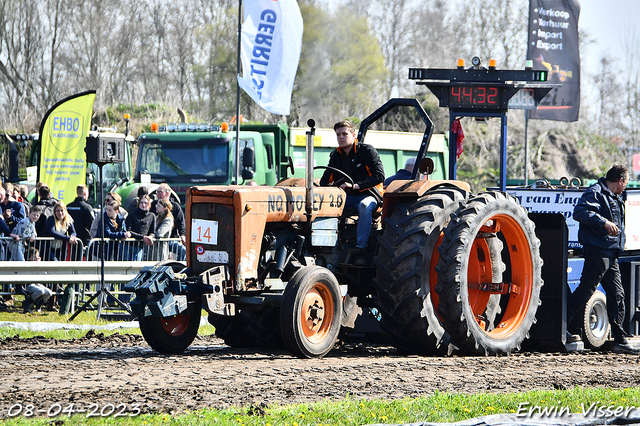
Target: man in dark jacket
[(141, 223), (402, 174), (600, 212), (362, 164), (82, 214)]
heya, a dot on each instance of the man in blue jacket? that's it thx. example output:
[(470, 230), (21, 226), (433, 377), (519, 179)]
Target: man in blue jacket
[(600, 212)]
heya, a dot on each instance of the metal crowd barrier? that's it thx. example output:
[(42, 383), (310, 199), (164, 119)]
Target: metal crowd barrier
[(48, 249), (81, 265), (137, 250)]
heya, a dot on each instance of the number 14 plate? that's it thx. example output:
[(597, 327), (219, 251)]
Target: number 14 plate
[(204, 231)]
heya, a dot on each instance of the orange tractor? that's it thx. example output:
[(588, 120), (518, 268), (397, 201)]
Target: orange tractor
[(449, 270)]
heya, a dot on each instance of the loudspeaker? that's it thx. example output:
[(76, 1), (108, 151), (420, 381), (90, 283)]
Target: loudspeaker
[(105, 149)]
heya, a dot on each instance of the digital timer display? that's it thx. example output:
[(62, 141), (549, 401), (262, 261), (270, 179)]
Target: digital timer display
[(475, 96)]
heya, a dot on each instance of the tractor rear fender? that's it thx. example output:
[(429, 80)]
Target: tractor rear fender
[(401, 190)]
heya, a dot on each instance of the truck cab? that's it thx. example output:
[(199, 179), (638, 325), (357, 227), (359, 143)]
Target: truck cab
[(184, 155)]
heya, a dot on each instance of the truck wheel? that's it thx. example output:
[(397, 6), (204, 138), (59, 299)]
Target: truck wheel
[(464, 290), (172, 334), (405, 274), (311, 312), (596, 321)]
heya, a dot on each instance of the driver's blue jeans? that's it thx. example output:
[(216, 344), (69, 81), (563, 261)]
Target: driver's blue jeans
[(364, 206)]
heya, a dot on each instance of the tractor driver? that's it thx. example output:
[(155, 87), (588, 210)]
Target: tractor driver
[(362, 164)]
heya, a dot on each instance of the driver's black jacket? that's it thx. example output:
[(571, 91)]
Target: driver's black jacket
[(363, 165)]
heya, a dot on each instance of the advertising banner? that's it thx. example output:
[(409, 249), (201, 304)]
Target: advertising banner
[(554, 46), (63, 134), (270, 52)]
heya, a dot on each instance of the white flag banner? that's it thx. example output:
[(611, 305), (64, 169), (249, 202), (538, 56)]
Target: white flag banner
[(271, 44)]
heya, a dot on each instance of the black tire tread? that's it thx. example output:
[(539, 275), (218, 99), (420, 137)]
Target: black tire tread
[(459, 235), (402, 276)]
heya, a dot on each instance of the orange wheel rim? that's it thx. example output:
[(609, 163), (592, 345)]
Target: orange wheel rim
[(316, 315), (480, 272), (176, 325)]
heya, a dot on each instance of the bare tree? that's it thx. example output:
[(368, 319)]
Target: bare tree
[(631, 49), (21, 56), (493, 29), (608, 88)]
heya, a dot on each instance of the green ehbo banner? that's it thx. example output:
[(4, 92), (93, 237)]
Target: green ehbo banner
[(63, 133)]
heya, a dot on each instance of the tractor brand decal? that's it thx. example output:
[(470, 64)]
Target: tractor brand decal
[(278, 203), (199, 249), (204, 231)]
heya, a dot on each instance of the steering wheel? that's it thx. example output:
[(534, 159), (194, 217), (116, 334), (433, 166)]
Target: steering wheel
[(345, 177)]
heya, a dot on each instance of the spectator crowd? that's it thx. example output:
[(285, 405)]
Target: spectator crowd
[(146, 222)]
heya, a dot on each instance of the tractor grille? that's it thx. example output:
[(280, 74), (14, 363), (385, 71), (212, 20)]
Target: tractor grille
[(212, 236)]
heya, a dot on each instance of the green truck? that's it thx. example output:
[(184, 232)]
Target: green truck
[(184, 155)]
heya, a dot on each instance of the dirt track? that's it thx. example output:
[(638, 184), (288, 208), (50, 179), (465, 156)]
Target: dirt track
[(122, 369)]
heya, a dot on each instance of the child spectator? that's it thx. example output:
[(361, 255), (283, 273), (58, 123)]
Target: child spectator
[(24, 230), (12, 210)]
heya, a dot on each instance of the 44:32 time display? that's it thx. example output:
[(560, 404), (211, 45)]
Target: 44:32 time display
[(470, 96)]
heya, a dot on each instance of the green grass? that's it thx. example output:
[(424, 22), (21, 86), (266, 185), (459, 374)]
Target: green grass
[(86, 317), (440, 407)]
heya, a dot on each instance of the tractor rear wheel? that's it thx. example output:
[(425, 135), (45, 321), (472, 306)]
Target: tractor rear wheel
[(596, 321), (263, 325), (250, 328), (311, 312), (231, 329), (405, 271), (466, 294), (172, 334)]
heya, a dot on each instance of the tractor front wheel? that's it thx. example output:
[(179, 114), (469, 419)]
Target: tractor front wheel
[(311, 312)]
